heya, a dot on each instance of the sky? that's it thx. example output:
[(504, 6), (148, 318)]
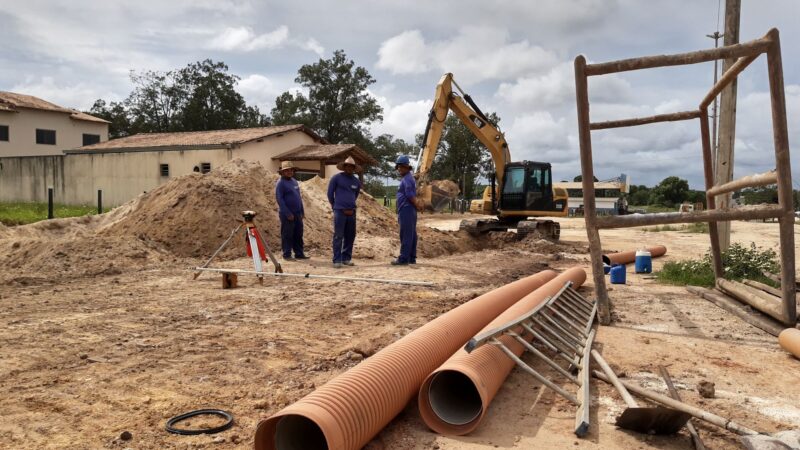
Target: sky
[(514, 57)]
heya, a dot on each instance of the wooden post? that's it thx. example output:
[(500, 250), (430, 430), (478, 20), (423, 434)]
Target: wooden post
[(587, 171), (50, 203), (99, 201), (322, 169), (723, 171), (713, 229), (780, 135)]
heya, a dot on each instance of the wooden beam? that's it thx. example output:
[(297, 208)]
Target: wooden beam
[(671, 117), (767, 304), (739, 310), (708, 175), (727, 78), (749, 212), (751, 48), (759, 179)]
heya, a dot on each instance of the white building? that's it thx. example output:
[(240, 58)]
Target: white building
[(609, 195)]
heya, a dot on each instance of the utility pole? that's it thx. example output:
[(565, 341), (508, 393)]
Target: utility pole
[(723, 171), (714, 116)]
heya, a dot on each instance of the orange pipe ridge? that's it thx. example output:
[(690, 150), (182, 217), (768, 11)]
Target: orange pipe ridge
[(630, 256), (454, 398), (789, 339), (351, 409)]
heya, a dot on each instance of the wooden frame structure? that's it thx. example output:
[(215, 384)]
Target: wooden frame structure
[(744, 54)]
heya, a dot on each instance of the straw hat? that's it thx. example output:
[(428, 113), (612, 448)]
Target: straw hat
[(347, 161), (285, 165)]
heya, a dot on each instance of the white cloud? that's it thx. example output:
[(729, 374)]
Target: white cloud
[(474, 54), (244, 39), (403, 120), (259, 90)]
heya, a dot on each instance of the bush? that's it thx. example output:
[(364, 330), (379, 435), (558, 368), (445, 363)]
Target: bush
[(738, 262)]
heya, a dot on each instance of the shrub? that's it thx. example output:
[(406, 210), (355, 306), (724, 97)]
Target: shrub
[(738, 262)]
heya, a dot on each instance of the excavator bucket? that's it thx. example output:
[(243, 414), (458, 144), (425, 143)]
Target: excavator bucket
[(438, 194)]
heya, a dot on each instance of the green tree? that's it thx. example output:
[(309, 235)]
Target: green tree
[(115, 113), (670, 192), (386, 148), (639, 195), (579, 178), (337, 104)]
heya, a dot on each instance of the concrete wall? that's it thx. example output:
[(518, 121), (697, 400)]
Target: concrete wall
[(26, 179), (265, 150), (22, 127)]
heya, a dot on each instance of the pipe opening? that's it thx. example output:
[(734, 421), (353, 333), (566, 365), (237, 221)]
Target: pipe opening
[(454, 398), (606, 260), (295, 432)]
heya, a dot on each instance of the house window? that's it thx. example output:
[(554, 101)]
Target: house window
[(164, 169), (46, 137), (89, 139), (4, 133), (205, 167)]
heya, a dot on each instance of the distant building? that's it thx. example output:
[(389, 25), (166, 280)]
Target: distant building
[(609, 195), (124, 168), (30, 126)]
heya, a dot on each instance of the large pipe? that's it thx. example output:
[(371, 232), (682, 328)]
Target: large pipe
[(454, 398), (630, 256), (349, 410), (789, 339)]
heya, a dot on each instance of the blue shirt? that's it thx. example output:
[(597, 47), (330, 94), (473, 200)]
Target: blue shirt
[(287, 192), (343, 191), (406, 191)]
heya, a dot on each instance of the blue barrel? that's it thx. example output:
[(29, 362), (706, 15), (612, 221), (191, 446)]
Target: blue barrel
[(618, 274), (644, 262)]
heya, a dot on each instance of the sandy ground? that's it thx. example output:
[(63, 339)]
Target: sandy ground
[(86, 357)]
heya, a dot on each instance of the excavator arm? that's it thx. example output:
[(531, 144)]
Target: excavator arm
[(473, 118)]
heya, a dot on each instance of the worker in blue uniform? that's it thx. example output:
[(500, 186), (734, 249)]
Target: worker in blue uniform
[(343, 192), (290, 212), (407, 207)]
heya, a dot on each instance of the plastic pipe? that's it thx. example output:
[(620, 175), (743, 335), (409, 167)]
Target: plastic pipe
[(351, 409), (454, 398), (630, 256), (790, 341)]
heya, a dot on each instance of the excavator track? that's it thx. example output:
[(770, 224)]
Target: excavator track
[(548, 229)]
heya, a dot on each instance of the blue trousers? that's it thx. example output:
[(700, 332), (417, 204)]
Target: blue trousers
[(344, 234), (407, 216), (291, 236)]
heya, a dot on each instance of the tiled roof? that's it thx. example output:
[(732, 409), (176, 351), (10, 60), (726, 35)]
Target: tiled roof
[(215, 138), (326, 152), (11, 101)]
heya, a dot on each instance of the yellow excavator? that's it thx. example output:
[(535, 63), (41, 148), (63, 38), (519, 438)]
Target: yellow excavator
[(517, 192)]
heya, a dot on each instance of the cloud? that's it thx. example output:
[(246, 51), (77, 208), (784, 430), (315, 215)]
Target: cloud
[(403, 120), (474, 54), (258, 90), (244, 39), (79, 96)]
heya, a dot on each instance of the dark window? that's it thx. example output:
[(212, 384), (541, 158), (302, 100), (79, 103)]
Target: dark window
[(205, 167), (164, 168), (4, 133), (89, 139), (305, 175), (46, 137)]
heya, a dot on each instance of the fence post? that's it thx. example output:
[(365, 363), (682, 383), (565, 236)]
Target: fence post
[(49, 203), (99, 201)]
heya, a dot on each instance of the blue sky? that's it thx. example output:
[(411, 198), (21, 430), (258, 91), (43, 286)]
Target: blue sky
[(513, 56)]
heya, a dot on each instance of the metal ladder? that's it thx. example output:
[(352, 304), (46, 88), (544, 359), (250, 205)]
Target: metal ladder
[(564, 324)]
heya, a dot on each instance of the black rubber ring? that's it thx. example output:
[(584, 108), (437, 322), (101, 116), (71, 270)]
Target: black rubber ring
[(199, 412)]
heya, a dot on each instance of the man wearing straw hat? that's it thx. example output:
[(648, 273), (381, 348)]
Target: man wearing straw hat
[(290, 211), (343, 192), (407, 207)]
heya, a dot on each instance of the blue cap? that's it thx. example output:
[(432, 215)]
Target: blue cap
[(402, 159)]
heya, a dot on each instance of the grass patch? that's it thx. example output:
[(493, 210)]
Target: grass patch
[(19, 213), (696, 227), (660, 228), (739, 262)]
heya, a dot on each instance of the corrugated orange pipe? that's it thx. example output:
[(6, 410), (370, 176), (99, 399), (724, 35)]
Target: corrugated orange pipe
[(455, 397), (348, 411), (630, 256), (789, 339)]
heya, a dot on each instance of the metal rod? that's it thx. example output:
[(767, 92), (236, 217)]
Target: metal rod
[(759, 179), (584, 392), (648, 62), (591, 319), (671, 117), (726, 79), (326, 277), (536, 374), (564, 309), (566, 333), (567, 321), (580, 301), (698, 444), (566, 353), (544, 357), (230, 236), (484, 337), (749, 212)]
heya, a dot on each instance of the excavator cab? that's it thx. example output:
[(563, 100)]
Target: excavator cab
[(528, 187)]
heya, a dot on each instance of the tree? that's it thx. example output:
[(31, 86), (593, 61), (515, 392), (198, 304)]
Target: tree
[(579, 178), (115, 113), (337, 104), (670, 192), (200, 96), (639, 195), (386, 148), (460, 156)]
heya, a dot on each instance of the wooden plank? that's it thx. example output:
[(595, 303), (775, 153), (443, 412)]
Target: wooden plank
[(736, 308), (759, 179), (749, 212), (728, 77), (582, 421), (698, 443)]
